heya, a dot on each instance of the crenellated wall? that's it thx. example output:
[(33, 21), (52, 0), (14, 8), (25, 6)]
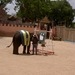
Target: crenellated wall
[(9, 30), (60, 31)]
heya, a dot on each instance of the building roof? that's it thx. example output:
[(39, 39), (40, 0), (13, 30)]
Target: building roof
[(3, 14), (45, 20)]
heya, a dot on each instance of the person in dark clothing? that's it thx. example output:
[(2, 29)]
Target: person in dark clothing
[(35, 43)]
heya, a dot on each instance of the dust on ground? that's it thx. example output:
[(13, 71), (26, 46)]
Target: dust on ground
[(61, 63)]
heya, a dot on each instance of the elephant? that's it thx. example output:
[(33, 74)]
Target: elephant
[(17, 41)]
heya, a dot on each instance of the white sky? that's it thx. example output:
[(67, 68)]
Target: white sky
[(11, 10), (72, 2), (10, 7)]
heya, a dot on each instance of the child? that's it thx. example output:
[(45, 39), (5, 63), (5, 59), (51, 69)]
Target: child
[(35, 43)]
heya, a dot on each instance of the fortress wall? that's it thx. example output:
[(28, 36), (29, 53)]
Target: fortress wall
[(9, 30)]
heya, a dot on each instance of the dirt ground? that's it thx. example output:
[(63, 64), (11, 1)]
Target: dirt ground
[(61, 63)]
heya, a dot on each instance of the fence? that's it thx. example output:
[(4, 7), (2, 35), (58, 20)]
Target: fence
[(65, 33), (9, 30)]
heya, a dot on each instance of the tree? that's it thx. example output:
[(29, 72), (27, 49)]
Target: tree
[(61, 11), (4, 2), (74, 12), (58, 11)]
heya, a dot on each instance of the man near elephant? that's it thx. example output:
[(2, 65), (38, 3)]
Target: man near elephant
[(34, 43)]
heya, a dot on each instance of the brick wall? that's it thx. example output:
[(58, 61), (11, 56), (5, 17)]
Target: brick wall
[(9, 30)]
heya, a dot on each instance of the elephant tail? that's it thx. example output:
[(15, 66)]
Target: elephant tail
[(10, 44)]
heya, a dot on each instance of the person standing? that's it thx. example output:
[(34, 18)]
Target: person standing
[(34, 43)]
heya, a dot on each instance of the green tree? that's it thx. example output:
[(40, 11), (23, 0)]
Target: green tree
[(4, 2), (58, 11), (74, 12), (62, 11)]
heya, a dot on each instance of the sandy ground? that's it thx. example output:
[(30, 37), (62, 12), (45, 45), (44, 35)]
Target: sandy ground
[(61, 63)]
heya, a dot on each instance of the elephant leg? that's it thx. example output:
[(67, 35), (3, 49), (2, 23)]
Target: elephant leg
[(24, 49), (15, 49), (28, 49)]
